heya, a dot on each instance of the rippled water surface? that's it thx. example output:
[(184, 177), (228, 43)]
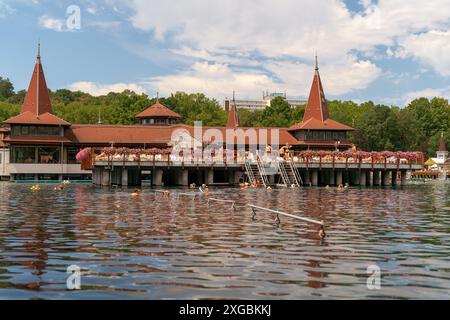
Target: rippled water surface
[(179, 248)]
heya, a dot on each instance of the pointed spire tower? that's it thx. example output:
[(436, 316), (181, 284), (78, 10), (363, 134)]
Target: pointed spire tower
[(37, 108), (317, 130), (233, 118), (37, 100), (317, 104)]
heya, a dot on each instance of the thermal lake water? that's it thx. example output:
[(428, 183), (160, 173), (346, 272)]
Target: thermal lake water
[(150, 247)]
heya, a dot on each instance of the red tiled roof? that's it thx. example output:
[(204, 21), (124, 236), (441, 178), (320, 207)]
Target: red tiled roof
[(43, 119), (158, 111), (37, 139), (317, 104), (316, 115), (124, 135), (315, 124), (37, 99), (107, 134)]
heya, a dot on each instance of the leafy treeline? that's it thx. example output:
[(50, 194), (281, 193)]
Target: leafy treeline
[(417, 127)]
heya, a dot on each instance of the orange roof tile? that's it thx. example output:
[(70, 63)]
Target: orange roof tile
[(159, 111), (37, 99), (37, 139), (31, 118), (315, 124)]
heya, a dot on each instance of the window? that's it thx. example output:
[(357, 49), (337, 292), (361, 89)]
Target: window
[(317, 135), (23, 154), (49, 155), (24, 130), (48, 131)]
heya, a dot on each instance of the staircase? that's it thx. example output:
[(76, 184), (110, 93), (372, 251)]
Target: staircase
[(289, 174), (256, 173)]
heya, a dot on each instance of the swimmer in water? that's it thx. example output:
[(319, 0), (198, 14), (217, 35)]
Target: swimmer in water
[(340, 187), (346, 186), (35, 188), (136, 193), (166, 194), (322, 233), (269, 188), (60, 187), (193, 186), (202, 188), (327, 187)]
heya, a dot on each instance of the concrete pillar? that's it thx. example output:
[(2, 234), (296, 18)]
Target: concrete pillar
[(307, 178), (385, 177), (331, 178), (124, 181), (315, 177), (183, 178), (403, 178), (210, 176), (106, 178), (363, 178), (394, 178), (356, 178), (339, 177), (376, 178), (157, 177)]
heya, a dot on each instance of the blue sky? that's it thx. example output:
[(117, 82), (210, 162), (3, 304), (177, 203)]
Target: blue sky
[(385, 51)]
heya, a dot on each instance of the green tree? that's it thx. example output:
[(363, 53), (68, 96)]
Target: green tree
[(6, 89), (278, 114)]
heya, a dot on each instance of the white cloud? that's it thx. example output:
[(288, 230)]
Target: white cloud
[(54, 24), (98, 89), (254, 45), (215, 80), (432, 48), (5, 10), (426, 93)]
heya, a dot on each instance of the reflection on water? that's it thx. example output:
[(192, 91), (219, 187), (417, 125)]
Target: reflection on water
[(155, 248)]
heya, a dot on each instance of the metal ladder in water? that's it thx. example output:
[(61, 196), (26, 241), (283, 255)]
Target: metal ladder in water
[(256, 172), (289, 173)]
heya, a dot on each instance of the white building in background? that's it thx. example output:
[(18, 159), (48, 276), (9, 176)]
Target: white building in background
[(261, 104)]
